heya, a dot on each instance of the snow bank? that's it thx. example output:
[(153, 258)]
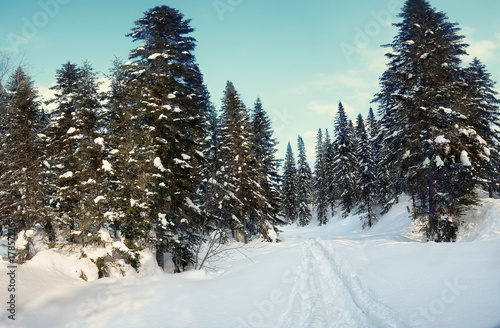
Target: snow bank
[(335, 275), (481, 223)]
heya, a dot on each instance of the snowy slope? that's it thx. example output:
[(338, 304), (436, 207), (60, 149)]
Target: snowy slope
[(333, 276)]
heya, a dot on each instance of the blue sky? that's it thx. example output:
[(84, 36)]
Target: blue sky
[(300, 57)]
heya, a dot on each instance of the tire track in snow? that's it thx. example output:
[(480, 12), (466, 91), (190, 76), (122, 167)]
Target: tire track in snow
[(328, 293)]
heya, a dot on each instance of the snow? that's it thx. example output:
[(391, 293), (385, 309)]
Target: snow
[(98, 199), (425, 56), (158, 164), (464, 158), (441, 140), (439, 162), (71, 130), (171, 96), (66, 175), (338, 275), (156, 55), (99, 141), (106, 166)]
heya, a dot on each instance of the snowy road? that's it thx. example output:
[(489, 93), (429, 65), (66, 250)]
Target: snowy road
[(328, 293)]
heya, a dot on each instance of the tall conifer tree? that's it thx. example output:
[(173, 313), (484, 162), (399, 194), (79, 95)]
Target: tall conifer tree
[(422, 103), (289, 203), (304, 185), (175, 102)]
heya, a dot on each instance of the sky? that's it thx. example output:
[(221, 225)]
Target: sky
[(300, 57)]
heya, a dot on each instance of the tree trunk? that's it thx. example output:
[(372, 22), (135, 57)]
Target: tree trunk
[(159, 248), (432, 205)]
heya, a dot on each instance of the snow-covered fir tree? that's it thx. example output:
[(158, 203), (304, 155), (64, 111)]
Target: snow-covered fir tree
[(240, 170), (304, 185), (90, 166), (383, 195), (265, 147), (62, 151), (21, 198), (127, 180), (366, 176), (329, 168), (174, 101), (483, 116), (344, 162), (421, 103), (289, 204), (321, 181)]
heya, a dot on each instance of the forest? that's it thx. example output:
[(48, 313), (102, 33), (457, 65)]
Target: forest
[(153, 163)]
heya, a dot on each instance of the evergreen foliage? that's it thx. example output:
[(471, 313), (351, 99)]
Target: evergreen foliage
[(344, 162), (422, 104), (366, 175), (21, 193), (175, 102), (290, 205), (304, 185), (321, 181)]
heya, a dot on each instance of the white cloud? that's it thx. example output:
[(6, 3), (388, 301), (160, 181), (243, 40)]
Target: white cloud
[(323, 109), (309, 134), (349, 110), (485, 50)]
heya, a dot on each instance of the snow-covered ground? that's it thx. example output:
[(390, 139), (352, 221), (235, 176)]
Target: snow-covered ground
[(333, 276)]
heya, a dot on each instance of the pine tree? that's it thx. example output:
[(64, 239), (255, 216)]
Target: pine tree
[(75, 164), (329, 169), (383, 194), (90, 165), (175, 102), (321, 181), (304, 185), (345, 162), (264, 148), (22, 199), (422, 106), (483, 116), (366, 175), (127, 149), (62, 160), (244, 210), (212, 193), (289, 188)]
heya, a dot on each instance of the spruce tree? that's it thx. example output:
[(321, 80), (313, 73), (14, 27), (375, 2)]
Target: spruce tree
[(423, 111), (62, 161), (321, 181), (75, 166), (483, 116), (244, 209), (22, 151), (383, 194), (329, 172), (304, 185), (289, 203), (127, 148), (366, 178), (344, 162), (90, 159), (175, 101), (264, 147)]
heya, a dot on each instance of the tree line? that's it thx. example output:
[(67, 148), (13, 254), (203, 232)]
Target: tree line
[(436, 138), (151, 161)]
